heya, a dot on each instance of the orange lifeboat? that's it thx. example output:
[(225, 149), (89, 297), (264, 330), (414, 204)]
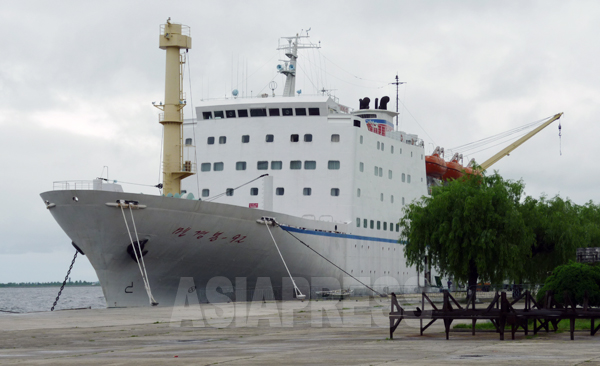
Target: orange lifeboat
[(435, 166), (454, 168), (469, 169)]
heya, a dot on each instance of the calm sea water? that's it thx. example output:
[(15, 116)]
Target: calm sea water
[(32, 299)]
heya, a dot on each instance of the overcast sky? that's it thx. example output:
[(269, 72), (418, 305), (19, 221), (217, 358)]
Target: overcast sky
[(77, 80)]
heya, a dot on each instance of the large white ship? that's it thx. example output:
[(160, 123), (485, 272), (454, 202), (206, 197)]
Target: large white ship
[(285, 185)]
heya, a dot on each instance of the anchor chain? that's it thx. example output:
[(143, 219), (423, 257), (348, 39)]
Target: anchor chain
[(65, 281)]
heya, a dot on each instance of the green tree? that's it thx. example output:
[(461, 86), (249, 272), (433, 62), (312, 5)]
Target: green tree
[(559, 228), (471, 228), (574, 278)]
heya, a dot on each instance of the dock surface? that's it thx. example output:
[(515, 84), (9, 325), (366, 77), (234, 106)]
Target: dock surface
[(349, 332)]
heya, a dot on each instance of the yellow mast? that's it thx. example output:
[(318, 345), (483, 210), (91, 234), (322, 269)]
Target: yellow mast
[(486, 164), (173, 38)]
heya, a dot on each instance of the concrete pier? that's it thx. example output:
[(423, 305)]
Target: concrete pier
[(349, 332)]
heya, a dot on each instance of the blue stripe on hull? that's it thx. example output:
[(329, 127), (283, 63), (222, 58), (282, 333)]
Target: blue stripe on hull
[(340, 235)]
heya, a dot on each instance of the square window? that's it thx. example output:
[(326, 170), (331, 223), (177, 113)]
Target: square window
[(188, 142), (254, 191), (308, 137), (219, 114), (310, 165), (300, 111), (295, 164), (356, 123), (210, 140), (262, 165), (240, 165), (365, 223), (206, 115), (307, 191), (313, 111), (270, 138), (333, 165), (205, 167), (229, 192), (372, 224), (279, 191), (217, 167), (361, 167), (258, 112), (273, 112), (276, 165), (294, 138), (205, 192), (242, 113), (335, 138), (245, 139), (222, 139), (335, 192), (287, 111), (230, 114)]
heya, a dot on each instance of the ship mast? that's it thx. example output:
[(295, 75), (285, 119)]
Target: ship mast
[(289, 70), (173, 38)]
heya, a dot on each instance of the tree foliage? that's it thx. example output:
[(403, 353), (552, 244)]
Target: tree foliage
[(481, 228), (469, 228), (574, 278)]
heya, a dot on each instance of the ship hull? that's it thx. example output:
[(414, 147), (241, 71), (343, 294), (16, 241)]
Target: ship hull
[(227, 253)]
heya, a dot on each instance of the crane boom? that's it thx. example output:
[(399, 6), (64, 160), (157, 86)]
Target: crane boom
[(489, 162)]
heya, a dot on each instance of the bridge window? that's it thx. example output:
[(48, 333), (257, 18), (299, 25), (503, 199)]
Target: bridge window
[(242, 113), (230, 113), (287, 111), (207, 115), (262, 165), (219, 115), (295, 164), (240, 165), (294, 138), (300, 111), (276, 165), (308, 137), (210, 140), (205, 167), (222, 139), (273, 112), (258, 112), (313, 111), (217, 167)]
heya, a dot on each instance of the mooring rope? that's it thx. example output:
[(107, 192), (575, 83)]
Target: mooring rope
[(135, 252), (335, 265), (299, 294)]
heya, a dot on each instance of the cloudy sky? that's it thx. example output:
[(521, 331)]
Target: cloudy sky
[(77, 80)]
